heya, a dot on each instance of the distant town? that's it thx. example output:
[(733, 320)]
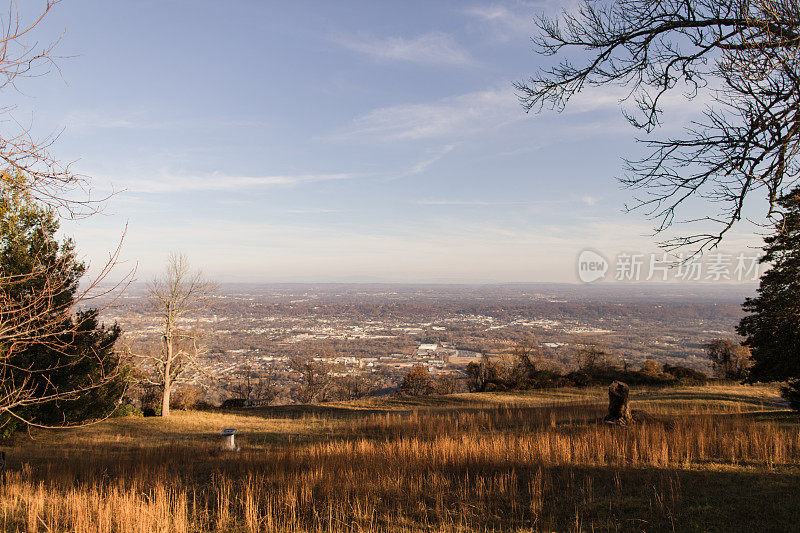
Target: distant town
[(382, 331)]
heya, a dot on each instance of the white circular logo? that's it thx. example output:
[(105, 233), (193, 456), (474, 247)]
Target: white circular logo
[(591, 266)]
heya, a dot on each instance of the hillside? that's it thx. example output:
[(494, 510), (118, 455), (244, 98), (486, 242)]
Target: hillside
[(510, 461)]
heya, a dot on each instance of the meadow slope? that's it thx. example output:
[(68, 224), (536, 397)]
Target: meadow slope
[(718, 458)]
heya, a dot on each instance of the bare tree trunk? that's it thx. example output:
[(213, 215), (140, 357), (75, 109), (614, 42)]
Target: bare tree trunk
[(167, 363), (618, 409), (167, 385), (165, 399)]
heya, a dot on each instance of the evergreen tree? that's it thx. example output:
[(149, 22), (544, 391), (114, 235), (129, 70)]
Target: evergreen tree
[(71, 373), (772, 329)]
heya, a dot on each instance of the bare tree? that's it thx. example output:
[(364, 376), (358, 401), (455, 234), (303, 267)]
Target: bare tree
[(741, 54), (176, 296), (354, 386), (30, 172), (315, 379), (482, 374), (27, 161), (254, 385), (591, 358)]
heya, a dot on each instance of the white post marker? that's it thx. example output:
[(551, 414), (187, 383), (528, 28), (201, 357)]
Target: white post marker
[(228, 444)]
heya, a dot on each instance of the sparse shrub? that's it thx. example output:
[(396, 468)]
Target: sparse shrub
[(592, 359), (579, 379), (149, 398), (186, 397), (545, 379), (651, 368), (595, 367), (233, 403), (126, 409), (475, 381), (523, 369), (204, 405), (496, 386), (686, 374), (446, 384)]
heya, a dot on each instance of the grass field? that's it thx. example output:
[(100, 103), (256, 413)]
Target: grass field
[(703, 458)]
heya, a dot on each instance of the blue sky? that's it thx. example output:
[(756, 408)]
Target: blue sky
[(332, 141)]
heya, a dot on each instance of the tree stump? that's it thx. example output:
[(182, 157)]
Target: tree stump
[(618, 410)]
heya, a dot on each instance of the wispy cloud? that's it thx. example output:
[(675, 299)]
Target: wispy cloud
[(613, 98), (435, 155), (455, 117), (81, 120), (88, 120), (312, 211), (467, 203), (585, 200), (516, 17), (434, 48), (169, 183), (502, 21)]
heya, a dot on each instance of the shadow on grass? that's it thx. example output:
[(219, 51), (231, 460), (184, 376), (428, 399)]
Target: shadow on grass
[(696, 397), (610, 498), (298, 411), (402, 405), (788, 416)]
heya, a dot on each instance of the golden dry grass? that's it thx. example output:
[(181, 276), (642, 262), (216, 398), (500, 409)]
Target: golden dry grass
[(705, 458)]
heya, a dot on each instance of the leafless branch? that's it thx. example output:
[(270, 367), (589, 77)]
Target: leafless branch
[(742, 53)]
